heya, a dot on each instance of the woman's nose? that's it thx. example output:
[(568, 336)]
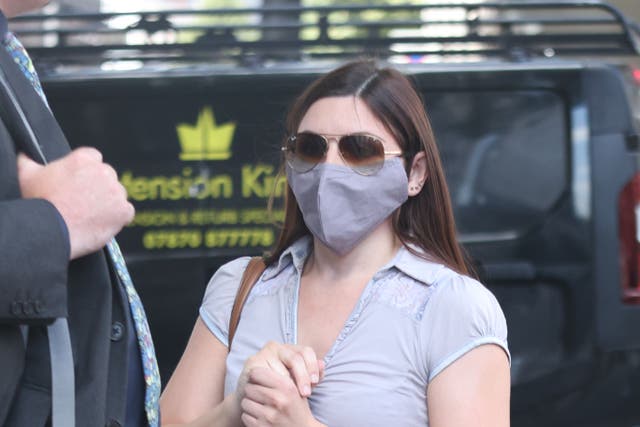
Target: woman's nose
[(333, 151)]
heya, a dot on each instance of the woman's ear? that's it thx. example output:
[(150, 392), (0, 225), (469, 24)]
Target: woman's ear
[(418, 173)]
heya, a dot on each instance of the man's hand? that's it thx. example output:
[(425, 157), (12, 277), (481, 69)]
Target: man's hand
[(86, 192)]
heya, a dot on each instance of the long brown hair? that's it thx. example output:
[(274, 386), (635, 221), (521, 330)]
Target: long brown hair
[(424, 220)]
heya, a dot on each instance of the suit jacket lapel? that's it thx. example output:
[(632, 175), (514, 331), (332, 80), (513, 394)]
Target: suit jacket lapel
[(48, 133)]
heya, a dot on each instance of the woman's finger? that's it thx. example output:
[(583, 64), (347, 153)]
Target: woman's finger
[(249, 420), (321, 367), (311, 361), (277, 366), (260, 390), (255, 414), (271, 382), (252, 407), (297, 366)]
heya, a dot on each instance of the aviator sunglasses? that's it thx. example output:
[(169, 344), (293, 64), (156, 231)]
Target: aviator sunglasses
[(362, 152)]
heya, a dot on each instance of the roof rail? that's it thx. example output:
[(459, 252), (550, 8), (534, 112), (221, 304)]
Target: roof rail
[(508, 30)]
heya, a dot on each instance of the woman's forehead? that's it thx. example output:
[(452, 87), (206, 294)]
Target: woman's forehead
[(341, 115)]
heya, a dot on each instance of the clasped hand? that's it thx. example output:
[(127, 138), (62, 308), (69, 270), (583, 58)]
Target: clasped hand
[(274, 385), (86, 192)]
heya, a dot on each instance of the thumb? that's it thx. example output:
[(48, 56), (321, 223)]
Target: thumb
[(27, 171), (26, 166)]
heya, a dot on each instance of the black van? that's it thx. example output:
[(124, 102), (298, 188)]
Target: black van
[(534, 109)]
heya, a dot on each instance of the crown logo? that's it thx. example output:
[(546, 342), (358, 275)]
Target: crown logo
[(205, 140)]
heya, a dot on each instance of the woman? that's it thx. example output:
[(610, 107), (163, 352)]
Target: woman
[(365, 315)]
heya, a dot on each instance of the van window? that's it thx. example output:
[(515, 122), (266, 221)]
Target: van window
[(505, 157)]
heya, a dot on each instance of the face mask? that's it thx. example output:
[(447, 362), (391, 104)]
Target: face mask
[(340, 207)]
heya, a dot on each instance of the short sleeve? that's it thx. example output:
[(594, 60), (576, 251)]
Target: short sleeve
[(460, 315), (219, 296)]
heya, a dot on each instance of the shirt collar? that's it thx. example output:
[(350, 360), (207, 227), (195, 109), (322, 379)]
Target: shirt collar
[(297, 254), (415, 266), (409, 263)]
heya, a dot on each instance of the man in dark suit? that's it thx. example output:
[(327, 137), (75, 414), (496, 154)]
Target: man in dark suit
[(55, 220)]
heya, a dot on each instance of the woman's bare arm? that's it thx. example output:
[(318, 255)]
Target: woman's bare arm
[(194, 394), (472, 391)]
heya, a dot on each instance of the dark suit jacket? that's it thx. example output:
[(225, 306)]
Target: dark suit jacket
[(38, 284)]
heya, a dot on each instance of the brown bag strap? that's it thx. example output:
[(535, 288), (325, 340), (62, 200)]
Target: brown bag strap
[(251, 274)]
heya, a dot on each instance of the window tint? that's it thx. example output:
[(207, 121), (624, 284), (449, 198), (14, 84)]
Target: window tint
[(505, 156)]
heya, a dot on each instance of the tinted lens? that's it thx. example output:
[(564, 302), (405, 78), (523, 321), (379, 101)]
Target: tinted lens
[(305, 150), (364, 153)]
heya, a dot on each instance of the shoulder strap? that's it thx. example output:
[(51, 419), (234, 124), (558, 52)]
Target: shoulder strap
[(62, 374), (251, 274)]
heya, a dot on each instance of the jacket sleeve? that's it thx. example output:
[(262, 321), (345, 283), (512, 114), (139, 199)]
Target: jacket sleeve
[(34, 257)]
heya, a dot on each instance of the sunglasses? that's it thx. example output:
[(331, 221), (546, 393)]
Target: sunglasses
[(362, 152)]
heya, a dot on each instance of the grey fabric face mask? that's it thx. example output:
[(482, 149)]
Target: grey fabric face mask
[(340, 207)]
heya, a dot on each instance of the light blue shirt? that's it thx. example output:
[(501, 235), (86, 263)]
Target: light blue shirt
[(413, 319)]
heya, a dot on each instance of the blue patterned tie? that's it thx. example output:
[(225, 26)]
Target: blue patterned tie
[(19, 54), (149, 363)]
